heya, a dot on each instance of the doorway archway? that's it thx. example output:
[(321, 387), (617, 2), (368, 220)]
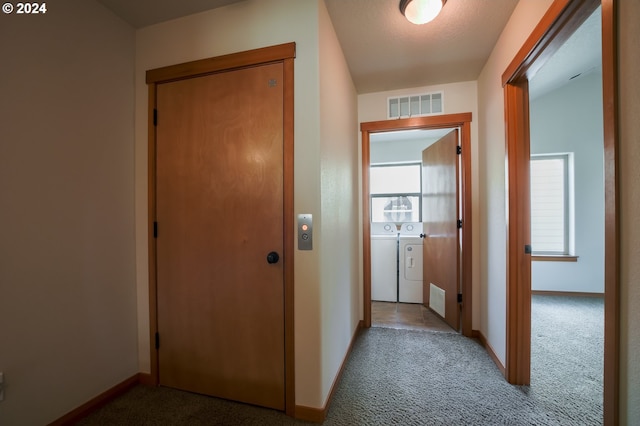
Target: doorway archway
[(560, 21), (463, 122)]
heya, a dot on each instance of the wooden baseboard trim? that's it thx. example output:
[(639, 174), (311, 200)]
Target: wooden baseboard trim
[(483, 341), (105, 397), (318, 415), (147, 379), (310, 414), (566, 293)]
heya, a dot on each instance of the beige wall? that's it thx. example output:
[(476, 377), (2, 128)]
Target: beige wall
[(339, 245), (458, 98), (67, 259), (629, 183), (323, 166), (492, 172)]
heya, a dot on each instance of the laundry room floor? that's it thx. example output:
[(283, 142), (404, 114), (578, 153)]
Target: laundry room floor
[(412, 316)]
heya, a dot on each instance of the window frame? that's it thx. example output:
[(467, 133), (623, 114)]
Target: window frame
[(568, 252), (418, 195)]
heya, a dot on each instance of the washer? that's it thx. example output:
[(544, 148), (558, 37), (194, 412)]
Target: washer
[(384, 262), (410, 263)]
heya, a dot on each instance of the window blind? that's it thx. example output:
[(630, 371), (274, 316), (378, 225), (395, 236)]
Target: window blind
[(549, 205)]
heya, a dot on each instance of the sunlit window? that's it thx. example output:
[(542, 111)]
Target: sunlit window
[(550, 204), (395, 193)]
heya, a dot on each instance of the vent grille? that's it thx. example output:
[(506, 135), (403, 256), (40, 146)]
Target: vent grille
[(436, 299), (415, 105)]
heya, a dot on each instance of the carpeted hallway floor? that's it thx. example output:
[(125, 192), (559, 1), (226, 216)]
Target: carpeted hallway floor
[(567, 353), (413, 377)]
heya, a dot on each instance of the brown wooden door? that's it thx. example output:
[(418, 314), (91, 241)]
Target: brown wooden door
[(441, 249), (219, 202)]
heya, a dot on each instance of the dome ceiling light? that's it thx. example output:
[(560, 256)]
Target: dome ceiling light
[(421, 11)]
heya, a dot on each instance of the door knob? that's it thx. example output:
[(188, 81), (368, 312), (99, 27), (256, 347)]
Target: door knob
[(423, 235), (273, 257)]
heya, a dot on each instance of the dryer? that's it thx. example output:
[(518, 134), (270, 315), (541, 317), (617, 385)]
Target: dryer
[(410, 263), (384, 261)]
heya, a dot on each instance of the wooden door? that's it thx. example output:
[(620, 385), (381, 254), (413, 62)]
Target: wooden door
[(441, 248), (219, 206)]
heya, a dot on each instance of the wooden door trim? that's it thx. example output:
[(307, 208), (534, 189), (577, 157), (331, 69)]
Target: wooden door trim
[(222, 63), (284, 53), (466, 260), (289, 225), (461, 121), (152, 214), (518, 360), (560, 21)]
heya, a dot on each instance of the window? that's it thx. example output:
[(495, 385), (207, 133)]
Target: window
[(551, 204), (396, 192)]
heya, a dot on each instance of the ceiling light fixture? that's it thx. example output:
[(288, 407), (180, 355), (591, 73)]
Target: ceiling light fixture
[(421, 11)]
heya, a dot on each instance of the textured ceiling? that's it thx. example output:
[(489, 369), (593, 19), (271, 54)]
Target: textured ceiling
[(577, 57), (142, 13), (386, 52)]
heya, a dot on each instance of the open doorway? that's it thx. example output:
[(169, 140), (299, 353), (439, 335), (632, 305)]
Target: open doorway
[(560, 22), (398, 209), (455, 121), (567, 226)]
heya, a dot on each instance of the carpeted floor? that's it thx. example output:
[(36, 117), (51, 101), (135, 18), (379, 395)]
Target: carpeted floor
[(567, 353), (411, 377)]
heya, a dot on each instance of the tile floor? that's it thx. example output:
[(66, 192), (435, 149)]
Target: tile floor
[(412, 316)]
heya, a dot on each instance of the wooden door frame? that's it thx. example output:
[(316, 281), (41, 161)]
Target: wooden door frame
[(285, 54), (557, 25), (461, 121)]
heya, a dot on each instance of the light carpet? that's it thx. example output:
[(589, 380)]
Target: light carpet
[(409, 377)]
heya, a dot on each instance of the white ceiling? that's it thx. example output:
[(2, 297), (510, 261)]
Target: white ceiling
[(386, 52), (142, 13), (577, 57), (383, 50)]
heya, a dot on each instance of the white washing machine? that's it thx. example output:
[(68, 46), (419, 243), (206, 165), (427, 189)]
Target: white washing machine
[(410, 263), (384, 262)]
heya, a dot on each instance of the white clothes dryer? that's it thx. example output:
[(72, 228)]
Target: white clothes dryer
[(410, 263)]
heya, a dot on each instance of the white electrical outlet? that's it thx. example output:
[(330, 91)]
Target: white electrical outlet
[(1, 386)]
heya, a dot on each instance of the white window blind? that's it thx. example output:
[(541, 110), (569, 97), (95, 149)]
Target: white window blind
[(550, 204), (395, 179)]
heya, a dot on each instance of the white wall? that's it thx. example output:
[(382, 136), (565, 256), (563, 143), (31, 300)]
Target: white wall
[(629, 197), (339, 243), (400, 150), (570, 120), (458, 98), (323, 162), (67, 259), (491, 148)]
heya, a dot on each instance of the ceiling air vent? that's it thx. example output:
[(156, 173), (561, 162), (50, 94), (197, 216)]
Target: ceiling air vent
[(415, 105)]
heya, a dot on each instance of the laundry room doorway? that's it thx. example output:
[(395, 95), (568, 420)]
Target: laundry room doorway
[(393, 222)]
